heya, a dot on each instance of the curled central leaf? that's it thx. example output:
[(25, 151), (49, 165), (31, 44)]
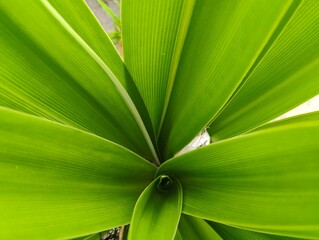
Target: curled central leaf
[(164, 183)]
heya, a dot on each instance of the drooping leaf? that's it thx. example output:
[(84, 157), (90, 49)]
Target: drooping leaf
[(287, 76), (223, 41), (194, 228), (58, 182), (264, 181), (49, 69), (232, 233), (153, 36), (157, 211)]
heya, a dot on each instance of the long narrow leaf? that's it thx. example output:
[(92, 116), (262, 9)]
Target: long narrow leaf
[(307, 117), (153, 35), (58, 182), (265, 181), (194, 228), (110, 12), (93, 34), (223, 41), (232, 233), (49, 70), (287, 76)]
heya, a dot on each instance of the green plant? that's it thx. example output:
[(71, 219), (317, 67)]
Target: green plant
[(116, 34), (88, 143)]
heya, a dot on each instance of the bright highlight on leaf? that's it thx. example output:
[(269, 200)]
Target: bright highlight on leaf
[(90, 141)]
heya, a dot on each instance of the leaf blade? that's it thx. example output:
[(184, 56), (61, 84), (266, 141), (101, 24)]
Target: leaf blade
[(259, 181), (151, 32), (292, 61), (215, 69), (56, 178), (195, 228), (93, 34), (150, 218), (307, 117), (232, 233), (65, 83)]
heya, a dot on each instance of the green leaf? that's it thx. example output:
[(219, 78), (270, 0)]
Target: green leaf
[(153, 35), (223, 41), (49, 69), (307, 117), (58, 182), (157, 211), (194, 228), (94, 236), (93, 34), (115, 36), (264, 181), (287, 76), (110, 12), (232, 233), (178, 236)]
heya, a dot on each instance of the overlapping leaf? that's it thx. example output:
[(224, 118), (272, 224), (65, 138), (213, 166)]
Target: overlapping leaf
[(223, 41), (153, 36), (48, 69), (232, 233), (59, 182), (156, 213), (265, 181), (195, 228), (285, 77), (307, 117)]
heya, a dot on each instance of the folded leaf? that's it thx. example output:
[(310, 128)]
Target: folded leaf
[(157, 211), (264, 181), (49, 70), (58, 182), (223, 41), (194, 228), (287, 76), (232, 233)]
